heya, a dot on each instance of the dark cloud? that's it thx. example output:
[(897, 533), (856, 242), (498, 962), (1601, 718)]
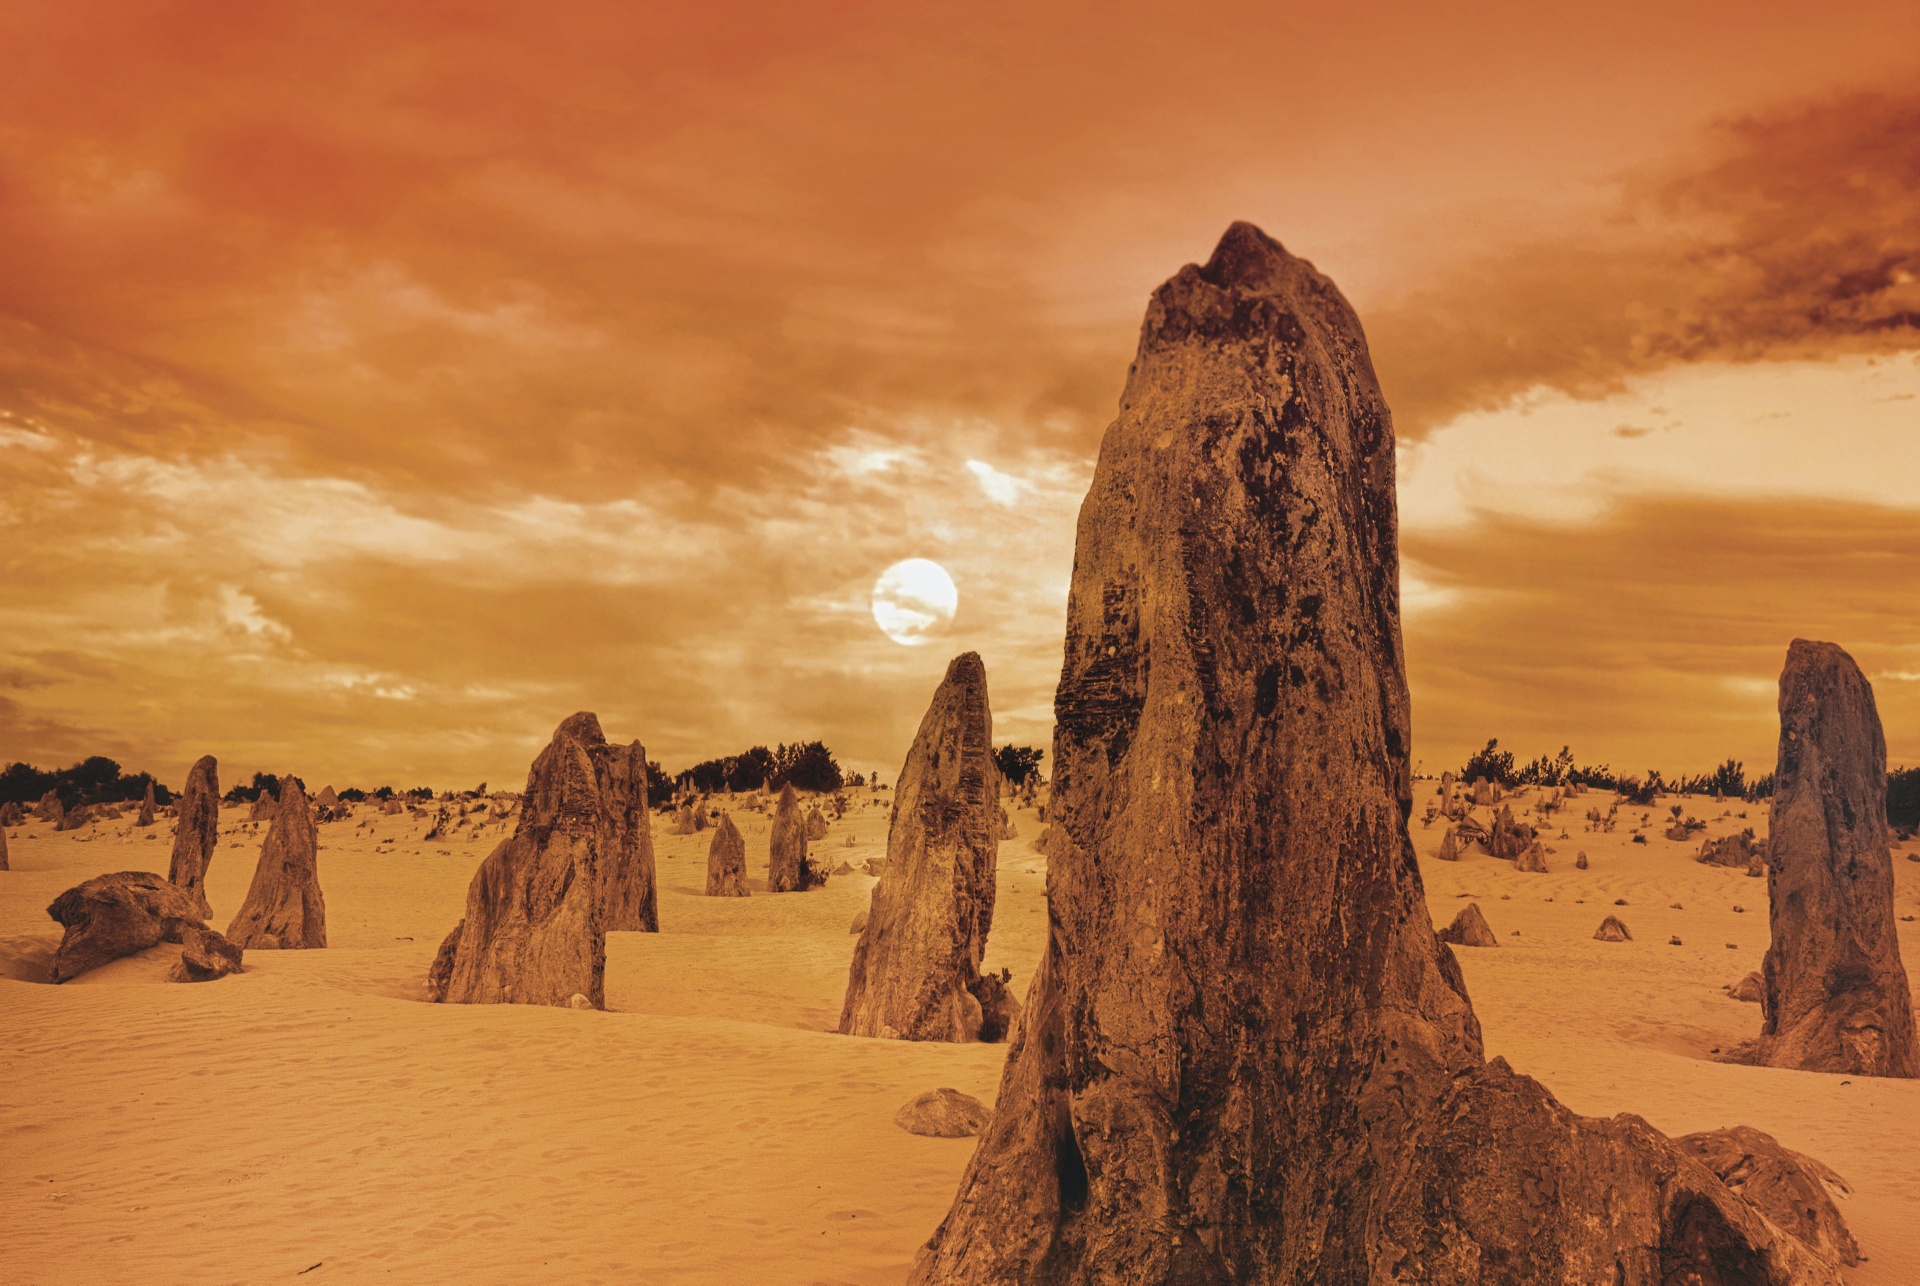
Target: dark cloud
[(1797, 234)]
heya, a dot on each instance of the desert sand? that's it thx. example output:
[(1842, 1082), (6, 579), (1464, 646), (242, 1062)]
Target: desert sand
[(314, 1116)]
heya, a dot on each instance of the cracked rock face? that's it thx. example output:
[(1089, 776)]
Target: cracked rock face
[(535, 932), (916, 970), (1246, 1057), (1837, 997)]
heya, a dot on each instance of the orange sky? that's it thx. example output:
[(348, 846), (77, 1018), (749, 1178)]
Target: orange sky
[(383, 383)]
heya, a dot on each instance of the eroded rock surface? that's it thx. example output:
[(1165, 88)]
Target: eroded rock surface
[(535, 931), (1245, 1056), (110, 916), (284, 910), (196, 831), (789, 868), (1612, 929), (1469, 929), (943, 1114), (1793, 1190), (1837, 996), (916, 970), (727, 861), (205, 956)]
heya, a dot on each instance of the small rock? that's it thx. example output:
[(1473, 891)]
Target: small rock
[(204, 956), (1612, 930), (1469, 929), (1738, 909), (1676, 906), (1619, 901), (1673, 942), (943, 1114), (578, 1001), (1580, 861)]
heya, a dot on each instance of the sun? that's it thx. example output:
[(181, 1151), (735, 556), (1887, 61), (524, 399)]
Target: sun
[(914, 601)]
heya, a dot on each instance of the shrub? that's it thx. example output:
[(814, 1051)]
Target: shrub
[(1903, 798), (1494, 764), (1017, 763)]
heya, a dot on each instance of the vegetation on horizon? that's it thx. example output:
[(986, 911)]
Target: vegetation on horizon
[(1017, 763), (803, 765)]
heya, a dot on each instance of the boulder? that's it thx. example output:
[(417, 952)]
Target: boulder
[(110, 916), (284, 909), (1508, 839), (816, 824), (196, 832), (326, 799), (1751, 989), (1678, 833), (916, 970), (789, 869), (204, 956), (1793, 1190), (535, 928), (49, 809), (1580, 860), (264, 807), (1245, 1055), (1469, 929), (1729, 850), (1837, 996), (75, 818), (1483, 796), (392, 808), (727, 861), (1449, 847), (943, 1114), (1532, 859), (146, 808), (1612, 929)]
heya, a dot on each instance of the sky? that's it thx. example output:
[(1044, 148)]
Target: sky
[(380, 384)]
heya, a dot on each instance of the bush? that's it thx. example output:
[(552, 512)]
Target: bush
[(97, 780), (1492, 763), (1903, 798), (1017, 763)]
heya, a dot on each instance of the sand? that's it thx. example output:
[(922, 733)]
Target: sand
[(314, 1117)]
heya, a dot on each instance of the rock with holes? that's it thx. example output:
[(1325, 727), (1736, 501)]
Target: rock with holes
[(110, 916), (916, 969), (1837, 996), (1245, 1055), (285, 910)]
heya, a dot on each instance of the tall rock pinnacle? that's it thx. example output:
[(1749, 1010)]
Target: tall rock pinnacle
[(1246, 1057)]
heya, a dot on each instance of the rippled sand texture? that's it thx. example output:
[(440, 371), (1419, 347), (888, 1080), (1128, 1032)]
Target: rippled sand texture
[(710, 1128)]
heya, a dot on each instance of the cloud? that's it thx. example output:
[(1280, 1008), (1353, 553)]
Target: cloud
[(1653, 636), (1794, 234)]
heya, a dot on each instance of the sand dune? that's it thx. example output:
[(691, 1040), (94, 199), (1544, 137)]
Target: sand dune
[(710, 1128)]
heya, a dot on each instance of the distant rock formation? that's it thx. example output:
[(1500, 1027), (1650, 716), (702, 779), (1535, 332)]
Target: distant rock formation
[(1532, 859), (196, 832), (1446, 796), (111, 916), (1245, 1056), (727, 861), (1788, 1187), (49, 809), (1509, 839), (535, 928), (816, 824), (205, 956), (326, 798), (916, 970), (789, 869), (1483, 793), (284, 910), (1469, 929), (1730, 850), (943, 1114), (1612, 929), (146, 809), (1837, 995), (74, 818), (1449, 847), (264, 807)]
